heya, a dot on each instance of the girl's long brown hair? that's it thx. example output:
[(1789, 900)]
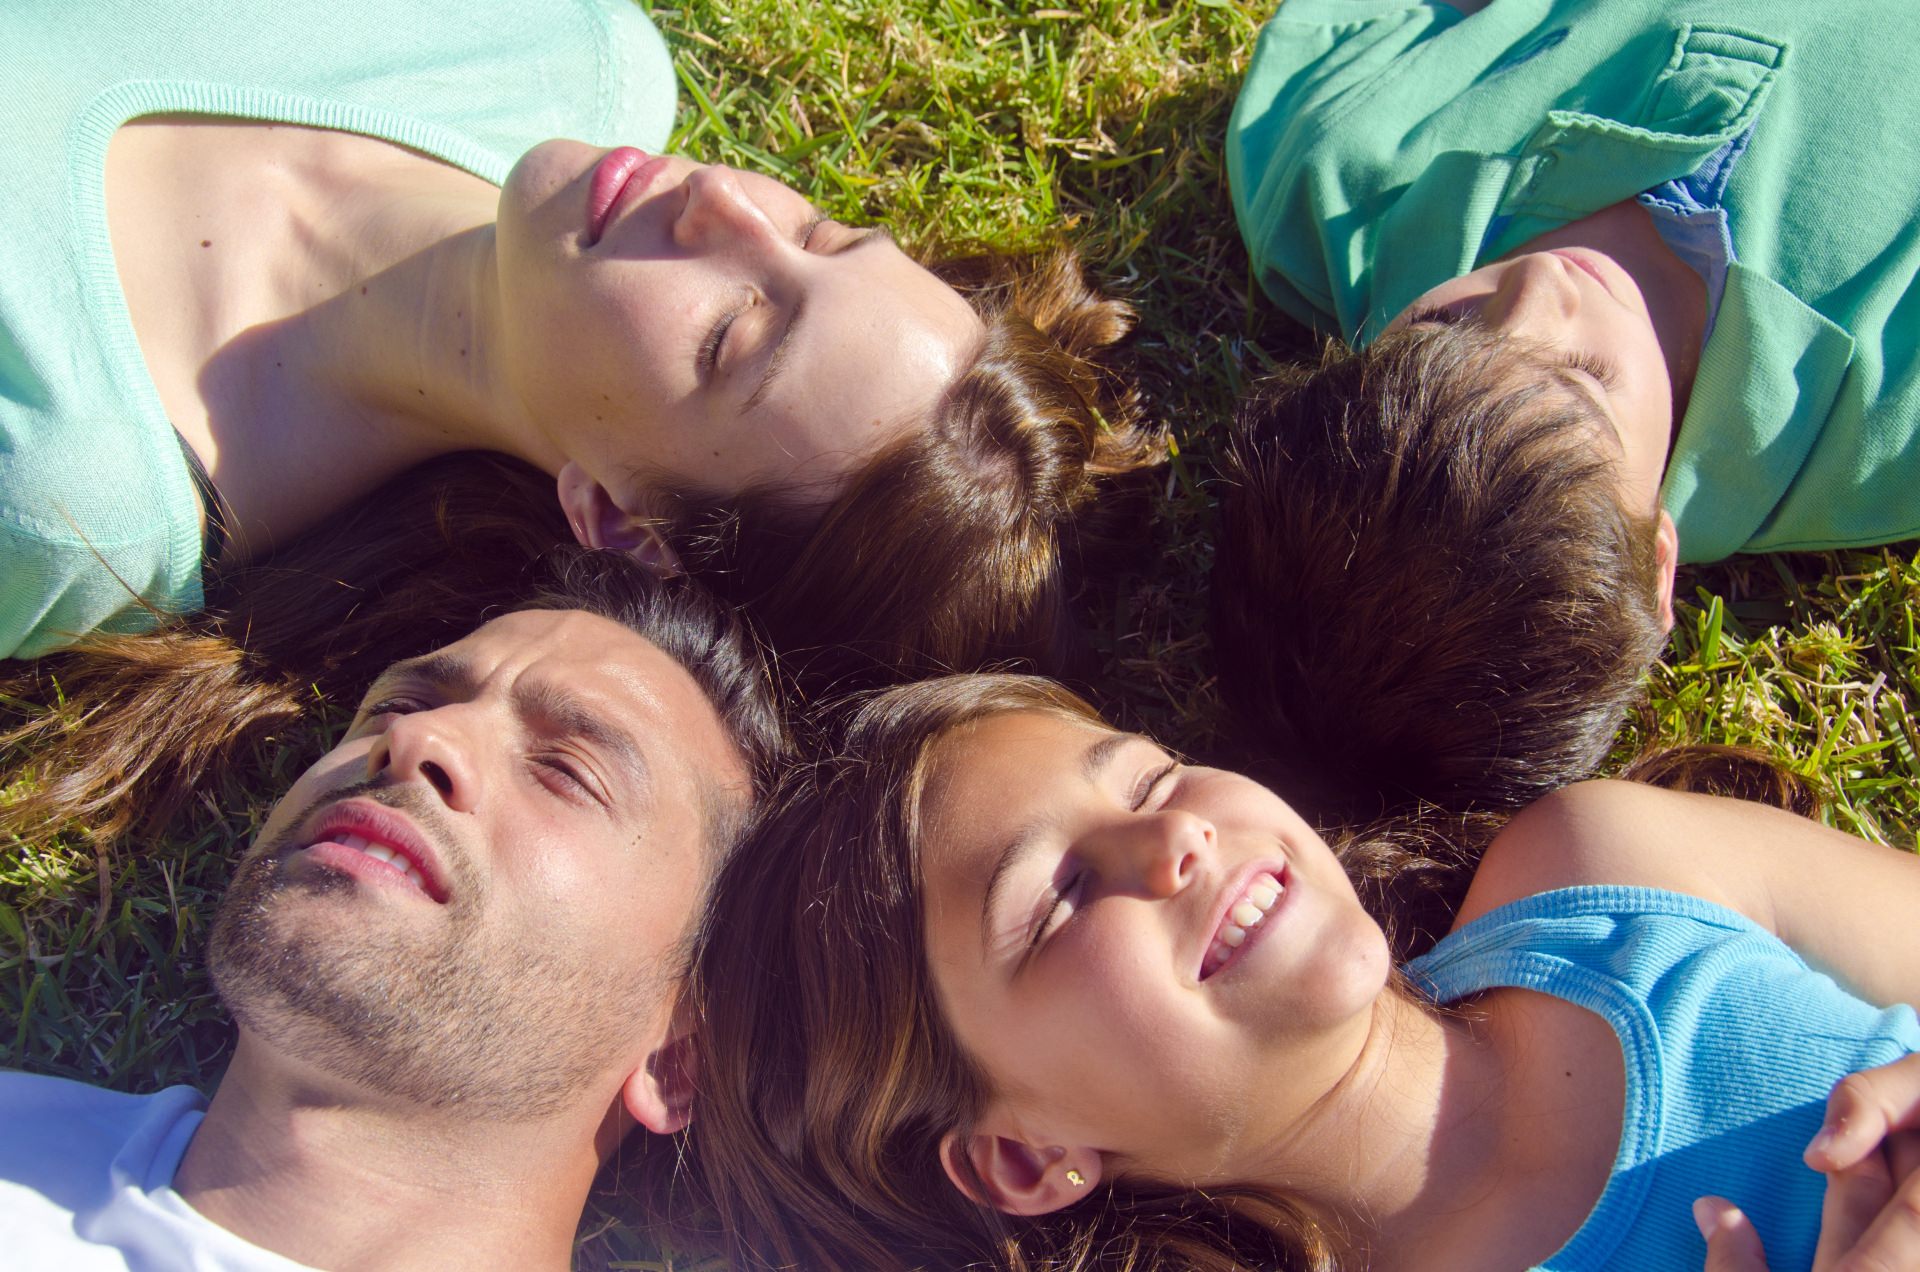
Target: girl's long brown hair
[(829, 1077)]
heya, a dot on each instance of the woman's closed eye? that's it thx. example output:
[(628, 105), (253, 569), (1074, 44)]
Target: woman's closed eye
[(1592, 364), (713, 348)]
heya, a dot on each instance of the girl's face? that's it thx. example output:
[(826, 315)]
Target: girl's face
[(1585, 317), (669, 320), (1156, 966)]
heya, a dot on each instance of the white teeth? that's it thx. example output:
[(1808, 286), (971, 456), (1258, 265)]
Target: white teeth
[(1246, 914), (379, 852), (1231, 935), (1263, 896), (357, 842)]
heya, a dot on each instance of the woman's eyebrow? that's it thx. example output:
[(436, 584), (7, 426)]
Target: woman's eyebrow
[(777, 360)]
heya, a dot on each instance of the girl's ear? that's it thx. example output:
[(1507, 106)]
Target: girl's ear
[(599, 522), (1014, 1177), (1666, 555)]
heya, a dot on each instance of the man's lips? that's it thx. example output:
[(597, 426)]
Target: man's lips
[(619, 179), (370, 840)]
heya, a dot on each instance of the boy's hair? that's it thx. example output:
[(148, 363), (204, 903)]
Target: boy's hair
[(1425, 585)]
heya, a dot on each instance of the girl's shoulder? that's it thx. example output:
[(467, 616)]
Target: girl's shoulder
[(1631, 834)]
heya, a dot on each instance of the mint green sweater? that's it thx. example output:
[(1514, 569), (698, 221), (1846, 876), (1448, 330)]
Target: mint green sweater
[(97, 504), (1380, 147)]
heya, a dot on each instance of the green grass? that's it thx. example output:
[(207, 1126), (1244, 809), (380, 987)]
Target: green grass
[(963, 123)]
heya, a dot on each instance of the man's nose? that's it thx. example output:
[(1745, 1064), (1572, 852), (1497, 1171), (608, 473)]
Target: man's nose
[(719, 208), (1534, 294), (432, 748)]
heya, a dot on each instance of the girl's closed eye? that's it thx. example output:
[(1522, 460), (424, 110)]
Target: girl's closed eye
[(1066, 894)]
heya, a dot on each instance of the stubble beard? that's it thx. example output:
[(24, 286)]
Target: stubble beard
[(432, 1015)]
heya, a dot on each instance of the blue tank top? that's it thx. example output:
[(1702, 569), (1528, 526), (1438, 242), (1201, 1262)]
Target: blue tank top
[(1731, 1045)]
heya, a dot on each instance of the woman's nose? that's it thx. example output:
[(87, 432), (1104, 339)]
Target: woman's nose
[(720, 209)]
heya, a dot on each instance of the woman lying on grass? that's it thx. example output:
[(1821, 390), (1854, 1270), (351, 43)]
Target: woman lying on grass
[(1612, 301), (262, 259), (1008, 988)]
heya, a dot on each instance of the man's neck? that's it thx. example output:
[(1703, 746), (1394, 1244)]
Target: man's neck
[(321, 1173)]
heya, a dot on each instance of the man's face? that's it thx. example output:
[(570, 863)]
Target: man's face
[(479, 896)]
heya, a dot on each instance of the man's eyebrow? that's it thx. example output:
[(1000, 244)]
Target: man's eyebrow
[(554, 707), (1584, 391), (1026, 839), (441, 669), (777, 360)]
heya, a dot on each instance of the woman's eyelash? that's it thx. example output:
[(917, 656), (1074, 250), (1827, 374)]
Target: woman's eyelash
[(390, 706), (709, 356), (807, 230)]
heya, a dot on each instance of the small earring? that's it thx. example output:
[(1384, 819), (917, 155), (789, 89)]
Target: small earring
[(1075, 1178)]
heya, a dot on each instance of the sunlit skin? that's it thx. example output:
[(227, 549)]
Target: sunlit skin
[(1612, 315), (359, 308), (556, 766), (1074, 878)]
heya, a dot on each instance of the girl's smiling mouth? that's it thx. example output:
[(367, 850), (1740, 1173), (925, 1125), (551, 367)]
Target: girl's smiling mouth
[(1245, 918)]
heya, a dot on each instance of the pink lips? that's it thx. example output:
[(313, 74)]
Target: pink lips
[(619, 180)]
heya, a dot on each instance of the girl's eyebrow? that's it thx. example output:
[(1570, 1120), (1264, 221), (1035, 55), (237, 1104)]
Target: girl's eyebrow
[(1095, 760)]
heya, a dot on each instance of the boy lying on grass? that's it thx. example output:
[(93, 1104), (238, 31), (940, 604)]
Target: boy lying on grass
[(1621, 285)]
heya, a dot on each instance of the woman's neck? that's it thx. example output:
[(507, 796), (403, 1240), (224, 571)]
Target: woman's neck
[(335, 328), (1479, 1141)]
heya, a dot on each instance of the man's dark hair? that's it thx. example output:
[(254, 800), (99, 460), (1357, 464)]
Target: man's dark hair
[(706, 637), (1426, 587)]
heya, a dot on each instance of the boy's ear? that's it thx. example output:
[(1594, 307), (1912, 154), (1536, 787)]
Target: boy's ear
[(1016, 1178), (1666, 550), (599, 522), (659, 1094)]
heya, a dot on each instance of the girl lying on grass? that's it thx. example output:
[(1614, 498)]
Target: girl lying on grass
[(1008, 988), (1621, 285), (262, 259)]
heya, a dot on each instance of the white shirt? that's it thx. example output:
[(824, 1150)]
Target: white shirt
[(86, 1183)]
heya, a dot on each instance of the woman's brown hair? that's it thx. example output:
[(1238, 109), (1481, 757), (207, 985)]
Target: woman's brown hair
[(945, 552), (1426, 588), (121, 730)]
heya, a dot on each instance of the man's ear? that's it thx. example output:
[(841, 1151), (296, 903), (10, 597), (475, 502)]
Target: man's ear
[(599, 522), (1666, 555), (1016, 1178), (659, 1094)]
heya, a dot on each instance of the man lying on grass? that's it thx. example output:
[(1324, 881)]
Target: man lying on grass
[(454, 954)]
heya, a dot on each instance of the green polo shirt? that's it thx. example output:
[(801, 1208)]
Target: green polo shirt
[(1380, 147)]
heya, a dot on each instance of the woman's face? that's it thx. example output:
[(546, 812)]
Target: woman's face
[(1159, 963), (1586, 319), (669, 320)]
